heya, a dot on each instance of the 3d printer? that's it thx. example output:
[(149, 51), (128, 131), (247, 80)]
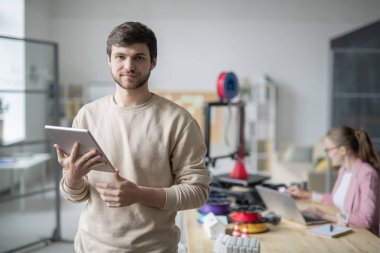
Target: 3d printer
[(228, 88), (248, 203), (238, 177)]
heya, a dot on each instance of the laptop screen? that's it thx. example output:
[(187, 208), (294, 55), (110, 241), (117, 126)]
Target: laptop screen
[(283, 204)]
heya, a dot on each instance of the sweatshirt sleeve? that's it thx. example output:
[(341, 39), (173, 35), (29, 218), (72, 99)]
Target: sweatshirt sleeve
[(327, 199), (75, 195), (191, 175)]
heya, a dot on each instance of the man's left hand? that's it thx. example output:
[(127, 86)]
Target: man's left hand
[(120, 193)]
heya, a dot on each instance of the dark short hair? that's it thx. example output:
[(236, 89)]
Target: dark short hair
[(129, 33)]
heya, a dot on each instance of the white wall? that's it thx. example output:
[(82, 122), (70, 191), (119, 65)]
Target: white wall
[(12, 19), (286, 39), (38, 19)]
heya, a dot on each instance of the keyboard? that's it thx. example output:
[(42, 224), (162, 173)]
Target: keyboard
[(310, 217), (230, 244)]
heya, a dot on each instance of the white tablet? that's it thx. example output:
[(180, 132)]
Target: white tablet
[(65, 137)]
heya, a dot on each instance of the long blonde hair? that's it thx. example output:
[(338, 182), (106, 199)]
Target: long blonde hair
[(358, 141)]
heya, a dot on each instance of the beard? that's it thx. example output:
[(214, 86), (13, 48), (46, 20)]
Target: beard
[(132, 86)]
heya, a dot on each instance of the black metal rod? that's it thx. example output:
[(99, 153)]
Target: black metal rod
[(207, 129), (51, 43), (207, 125), (25, 143), (25, 195), (42, 241), (36, 91), (55, 166)]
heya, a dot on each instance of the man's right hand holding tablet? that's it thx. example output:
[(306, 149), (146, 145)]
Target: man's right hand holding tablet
[(77, 166)]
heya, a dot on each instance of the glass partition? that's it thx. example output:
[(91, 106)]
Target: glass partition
[(356, 90), (28, 183)]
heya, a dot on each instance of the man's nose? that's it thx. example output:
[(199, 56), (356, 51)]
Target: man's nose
[(129, 64)]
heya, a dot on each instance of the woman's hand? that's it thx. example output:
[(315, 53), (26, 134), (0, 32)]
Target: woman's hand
[(315, 211), (296, 192), (77, 166), (321, 214)]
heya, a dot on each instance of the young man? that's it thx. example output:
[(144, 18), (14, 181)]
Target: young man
[(156, 147)]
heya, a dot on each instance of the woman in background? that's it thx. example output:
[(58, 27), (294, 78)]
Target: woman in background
[(356, 190)]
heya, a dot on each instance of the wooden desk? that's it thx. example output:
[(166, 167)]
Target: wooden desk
[(285, 237)]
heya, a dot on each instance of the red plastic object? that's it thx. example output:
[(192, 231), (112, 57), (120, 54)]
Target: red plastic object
[(221, 79), (239, 171), (236, 231), (245, 233), (228, 86), (246, 217)]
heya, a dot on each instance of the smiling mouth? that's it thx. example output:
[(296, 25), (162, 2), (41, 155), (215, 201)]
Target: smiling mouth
[(129, 76)]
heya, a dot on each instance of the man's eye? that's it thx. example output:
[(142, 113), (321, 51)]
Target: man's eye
[(120, 57), (140, 58)]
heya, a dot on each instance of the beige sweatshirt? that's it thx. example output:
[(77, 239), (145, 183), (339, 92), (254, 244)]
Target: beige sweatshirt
[(157, 144)]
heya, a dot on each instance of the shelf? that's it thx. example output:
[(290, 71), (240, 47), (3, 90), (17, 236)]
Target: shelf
[(262, 124)]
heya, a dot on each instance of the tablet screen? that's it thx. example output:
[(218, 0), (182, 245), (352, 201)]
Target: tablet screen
[(65, 137)]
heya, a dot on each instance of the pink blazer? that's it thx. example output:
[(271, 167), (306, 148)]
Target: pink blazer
[(362, 198)]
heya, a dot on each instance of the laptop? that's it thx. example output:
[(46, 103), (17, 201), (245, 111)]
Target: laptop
[(285, 205)]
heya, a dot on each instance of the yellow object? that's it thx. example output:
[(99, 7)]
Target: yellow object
[(321, 166), (254, 228)]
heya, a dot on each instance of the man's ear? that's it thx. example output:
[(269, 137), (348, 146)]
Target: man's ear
[(153, 63), (109, 60)]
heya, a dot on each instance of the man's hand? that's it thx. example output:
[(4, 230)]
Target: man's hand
[(120, 193), (77, 166)]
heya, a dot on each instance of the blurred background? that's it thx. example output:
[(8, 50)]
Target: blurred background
[(302, 66)]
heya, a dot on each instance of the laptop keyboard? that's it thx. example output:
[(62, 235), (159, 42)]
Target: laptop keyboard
[(310, 217)]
